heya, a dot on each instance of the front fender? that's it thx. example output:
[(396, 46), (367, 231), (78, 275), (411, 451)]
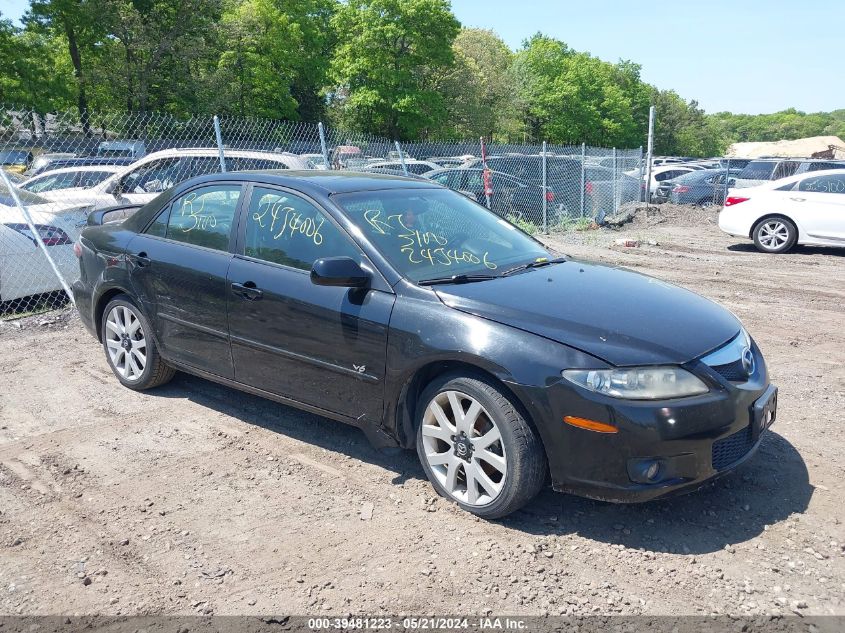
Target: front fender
[(426, 333)]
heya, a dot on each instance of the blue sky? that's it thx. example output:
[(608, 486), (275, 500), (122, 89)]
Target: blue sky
[(747, 56)]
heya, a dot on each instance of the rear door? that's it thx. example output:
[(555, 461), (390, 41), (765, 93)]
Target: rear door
[(178, 269), (319, 345), (819, 204)]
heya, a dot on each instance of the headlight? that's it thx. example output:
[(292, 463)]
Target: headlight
[(638, 383)]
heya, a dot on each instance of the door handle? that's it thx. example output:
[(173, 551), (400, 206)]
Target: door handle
[(141, 259), (247, 290), (798, 199)]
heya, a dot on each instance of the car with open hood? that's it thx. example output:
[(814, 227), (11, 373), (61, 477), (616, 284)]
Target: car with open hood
[(406, 309)]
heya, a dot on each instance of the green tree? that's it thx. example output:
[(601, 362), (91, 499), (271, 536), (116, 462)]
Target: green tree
[(274, 57), (77, 22), (34, 72), (479, 89), (389, 56), (574, 97), (155, 53)]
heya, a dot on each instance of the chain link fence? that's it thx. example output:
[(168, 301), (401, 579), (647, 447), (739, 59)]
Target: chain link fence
[(58, 168)]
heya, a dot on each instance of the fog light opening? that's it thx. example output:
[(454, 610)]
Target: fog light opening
[(645, 471)]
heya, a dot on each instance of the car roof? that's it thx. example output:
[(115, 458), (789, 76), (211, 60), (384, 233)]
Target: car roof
[(65, 170), (780, 182), (321, 181)]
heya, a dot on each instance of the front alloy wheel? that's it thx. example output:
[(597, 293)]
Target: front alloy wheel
[(476, 447), (463, 447)]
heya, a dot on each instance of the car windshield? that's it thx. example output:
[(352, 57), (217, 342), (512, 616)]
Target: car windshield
[(433, 233), (25, 197)]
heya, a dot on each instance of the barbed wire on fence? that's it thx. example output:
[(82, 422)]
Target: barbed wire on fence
[(60, 168)]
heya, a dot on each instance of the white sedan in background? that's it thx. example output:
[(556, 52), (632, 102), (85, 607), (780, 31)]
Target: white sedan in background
[(69, 178), (143, 180), (24, 270), (804, 209)]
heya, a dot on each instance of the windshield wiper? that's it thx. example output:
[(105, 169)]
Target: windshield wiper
[(456, 279), (535, 264)]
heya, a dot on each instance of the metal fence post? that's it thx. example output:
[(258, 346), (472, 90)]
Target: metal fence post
[(727, 177), (36, 234), (545, 199), (649, 153), (615, 182), (219, 138), (641, 166), (583, 175), (325, 149), (401, 157), (484, 168)]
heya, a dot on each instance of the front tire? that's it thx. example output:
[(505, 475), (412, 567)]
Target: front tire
[(129, 346), (476, 448), (774, 235)]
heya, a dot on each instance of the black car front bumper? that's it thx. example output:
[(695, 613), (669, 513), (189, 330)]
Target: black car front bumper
[(692, 440)]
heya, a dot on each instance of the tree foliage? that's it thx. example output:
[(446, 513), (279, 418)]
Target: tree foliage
[(399, 68), (388, 57)]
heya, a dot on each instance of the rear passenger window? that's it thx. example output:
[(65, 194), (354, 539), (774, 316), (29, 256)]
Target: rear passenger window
[(204, 216), (823, 184), (285, 229)]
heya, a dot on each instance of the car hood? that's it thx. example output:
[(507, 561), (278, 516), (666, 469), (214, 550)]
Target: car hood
[(620, 316)]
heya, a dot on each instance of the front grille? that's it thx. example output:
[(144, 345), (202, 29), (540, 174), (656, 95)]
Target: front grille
[(733, 372), (731, 449)]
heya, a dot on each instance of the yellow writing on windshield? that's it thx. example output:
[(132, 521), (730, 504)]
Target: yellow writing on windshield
[(421, 246)]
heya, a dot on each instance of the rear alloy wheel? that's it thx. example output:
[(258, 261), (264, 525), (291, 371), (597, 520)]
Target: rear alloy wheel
[(476, 447), (130, 351), (774, 235)]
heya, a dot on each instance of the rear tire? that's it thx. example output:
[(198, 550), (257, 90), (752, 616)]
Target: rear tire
[(774, 235), (129, 346), (477, 448)]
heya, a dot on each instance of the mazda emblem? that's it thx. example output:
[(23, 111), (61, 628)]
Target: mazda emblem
[(748, 361)]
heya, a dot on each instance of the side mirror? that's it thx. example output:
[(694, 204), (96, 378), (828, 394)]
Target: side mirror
[(339, 271)]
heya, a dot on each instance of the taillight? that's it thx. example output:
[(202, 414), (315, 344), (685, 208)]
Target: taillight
[(50, 235), (680, 189), (588, 187), (732, 200), (550, 196), (77, 249)]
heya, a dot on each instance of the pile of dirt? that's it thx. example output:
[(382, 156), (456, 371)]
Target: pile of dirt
[(674, 214), (802, 147)]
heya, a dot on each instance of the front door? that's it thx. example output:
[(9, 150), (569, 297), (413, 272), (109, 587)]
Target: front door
[(179, 266), (322, 346)]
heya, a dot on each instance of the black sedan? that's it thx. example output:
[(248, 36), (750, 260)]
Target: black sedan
[(410, 311)]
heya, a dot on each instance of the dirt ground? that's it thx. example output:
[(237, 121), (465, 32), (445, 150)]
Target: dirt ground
[(195, 498)]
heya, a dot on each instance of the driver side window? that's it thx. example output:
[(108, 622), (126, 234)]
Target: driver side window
[(285, 229)]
